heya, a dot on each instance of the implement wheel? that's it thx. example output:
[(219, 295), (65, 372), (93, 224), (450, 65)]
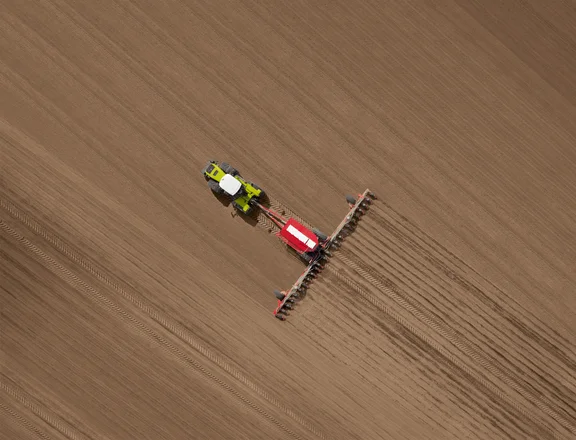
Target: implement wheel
[(321, 236)]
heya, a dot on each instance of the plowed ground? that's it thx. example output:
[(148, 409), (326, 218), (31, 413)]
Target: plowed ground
[(134, 306)]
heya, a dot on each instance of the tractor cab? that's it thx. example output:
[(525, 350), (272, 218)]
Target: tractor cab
[(230, 185)]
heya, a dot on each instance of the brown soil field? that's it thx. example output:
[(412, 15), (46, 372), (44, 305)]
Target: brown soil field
[(134, 306)]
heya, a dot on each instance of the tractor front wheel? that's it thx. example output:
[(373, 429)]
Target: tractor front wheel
[(213, 185)]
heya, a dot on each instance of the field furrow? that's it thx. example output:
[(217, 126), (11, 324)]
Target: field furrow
[(136, 303)]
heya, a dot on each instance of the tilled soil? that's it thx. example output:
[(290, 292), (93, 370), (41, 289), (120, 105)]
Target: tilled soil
[(134, 306)]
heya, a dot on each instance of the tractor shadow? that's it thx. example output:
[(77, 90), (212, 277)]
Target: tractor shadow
[(250, 219), (264, 201), (223, 199)]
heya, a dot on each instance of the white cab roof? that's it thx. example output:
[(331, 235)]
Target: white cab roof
[(230, 184)]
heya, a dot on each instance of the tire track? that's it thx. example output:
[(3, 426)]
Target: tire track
[(26, 400), (108, 209), (467, 307), (500, 307), (501, 363), (420, 361), (269, 226), (337, 339), (448, 336), (265, 223), (281, 207), (76, 282), (465, 397), (352, 315), (401, 262), (427, 246), (179, 331), (23, 422)]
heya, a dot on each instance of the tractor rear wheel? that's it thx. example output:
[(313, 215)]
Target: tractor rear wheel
[(321, 236), (262, 193), (213, 185), (228, 169)]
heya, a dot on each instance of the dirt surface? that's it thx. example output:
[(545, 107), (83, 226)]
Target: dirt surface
[(134, 306)]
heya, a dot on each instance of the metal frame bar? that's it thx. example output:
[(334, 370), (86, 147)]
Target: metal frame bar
[(272, 215)]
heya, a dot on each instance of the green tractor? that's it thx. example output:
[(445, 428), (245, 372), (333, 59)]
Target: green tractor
[(226, 181)]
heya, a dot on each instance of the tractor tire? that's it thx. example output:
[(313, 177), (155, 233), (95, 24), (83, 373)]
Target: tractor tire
[(262, 193), (241, 211), (228, 169), (213, 185), (321, 236)]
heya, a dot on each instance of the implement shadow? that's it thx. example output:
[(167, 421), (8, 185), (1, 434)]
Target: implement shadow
[(251, 218)]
